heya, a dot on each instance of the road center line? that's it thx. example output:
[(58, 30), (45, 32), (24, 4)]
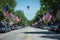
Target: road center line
[(28, 37)]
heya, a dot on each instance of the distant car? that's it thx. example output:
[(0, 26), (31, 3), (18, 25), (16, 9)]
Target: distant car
[(42, 26), (52, 28), (46, 28), (57, 29), (12, 27), (15, 27)]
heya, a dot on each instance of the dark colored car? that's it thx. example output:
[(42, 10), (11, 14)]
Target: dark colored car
[(57, 29), (52, 28), (12, 27), (4, 28)]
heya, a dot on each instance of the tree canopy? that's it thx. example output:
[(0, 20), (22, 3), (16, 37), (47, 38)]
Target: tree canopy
[(53, 5), (6, 4), (10, 3), (21, 15), (47, 5)]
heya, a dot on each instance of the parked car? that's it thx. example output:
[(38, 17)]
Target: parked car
[(46, 28), (52, 28), (15, 27), (57, 29), (8, 28), (4, 28), (12, 27)]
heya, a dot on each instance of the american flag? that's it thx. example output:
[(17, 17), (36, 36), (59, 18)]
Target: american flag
[(48, 16), (58, 14), (6, 14), (40, 20), (43, 17), (13, 16), (17, 19)]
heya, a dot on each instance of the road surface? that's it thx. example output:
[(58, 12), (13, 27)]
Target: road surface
[(29, 33)]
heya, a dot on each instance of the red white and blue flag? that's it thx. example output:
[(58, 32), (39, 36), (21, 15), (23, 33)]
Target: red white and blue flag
[(13, 16), (58, 14), (44, 17), (48, 16), (40, 19), (17, 19), (6, 14)]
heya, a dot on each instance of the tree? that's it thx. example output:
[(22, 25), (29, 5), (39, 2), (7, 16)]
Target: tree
[(51, 4), (9, 3), (21, 15), (1, 15), (47, 5), (38, 15)]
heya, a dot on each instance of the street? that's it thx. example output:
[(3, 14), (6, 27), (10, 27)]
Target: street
[(29, 33), (29, 19)]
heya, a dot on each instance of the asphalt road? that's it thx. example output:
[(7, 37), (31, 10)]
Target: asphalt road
[(29, 33)]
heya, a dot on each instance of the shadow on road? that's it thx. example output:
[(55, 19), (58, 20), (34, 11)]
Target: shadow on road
[(2, 33), (39, 32), (49, 34), (52, 36)]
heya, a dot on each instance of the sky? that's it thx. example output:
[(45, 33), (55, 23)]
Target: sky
[(34, 7)]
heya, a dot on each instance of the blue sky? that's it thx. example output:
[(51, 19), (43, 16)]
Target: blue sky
[(34, 7)]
